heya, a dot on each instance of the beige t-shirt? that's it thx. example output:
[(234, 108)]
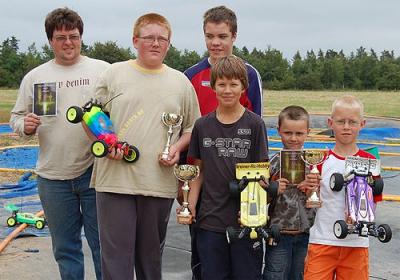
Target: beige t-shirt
[(64, 147), (136, 115)]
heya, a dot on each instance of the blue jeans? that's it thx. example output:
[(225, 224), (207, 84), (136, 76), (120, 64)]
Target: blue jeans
[(286, 260), (68, 205)]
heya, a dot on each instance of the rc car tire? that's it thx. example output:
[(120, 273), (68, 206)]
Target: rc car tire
[(384, 233), (234, 189), (273, 188), (11, 222), (74, 114), (378, 186), (133, 154), (230, 234), (340, 229), (99, 148), (275, 233), (39, 224), (336, 182)]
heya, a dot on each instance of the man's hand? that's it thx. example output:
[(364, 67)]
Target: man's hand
[(115, 153), (31, 123), (173, 156)]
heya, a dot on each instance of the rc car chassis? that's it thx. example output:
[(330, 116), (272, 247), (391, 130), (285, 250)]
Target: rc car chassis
[(23, 218), (101, 127), (253, 203), (360, 186)]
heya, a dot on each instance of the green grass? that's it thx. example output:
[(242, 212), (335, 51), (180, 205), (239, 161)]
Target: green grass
[(7, 97), (376, 103)]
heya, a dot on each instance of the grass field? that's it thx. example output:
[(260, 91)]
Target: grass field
[(377, 103)]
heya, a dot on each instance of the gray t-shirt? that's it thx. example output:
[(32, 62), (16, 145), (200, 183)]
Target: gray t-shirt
[(219, 147)]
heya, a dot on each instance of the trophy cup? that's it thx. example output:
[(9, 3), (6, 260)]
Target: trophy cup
[(313, 158), (185, 173), (171, 120)]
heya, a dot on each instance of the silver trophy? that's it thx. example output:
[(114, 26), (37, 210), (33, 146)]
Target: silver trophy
[(313, 158), (171, 121), (185, 173)]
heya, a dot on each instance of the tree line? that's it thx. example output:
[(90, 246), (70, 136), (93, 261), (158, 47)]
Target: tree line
[(317, 70)]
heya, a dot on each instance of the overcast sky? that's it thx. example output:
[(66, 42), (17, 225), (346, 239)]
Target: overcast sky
[(282, 24)]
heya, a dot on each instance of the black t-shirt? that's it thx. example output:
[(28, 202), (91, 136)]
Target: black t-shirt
[(219, 147)]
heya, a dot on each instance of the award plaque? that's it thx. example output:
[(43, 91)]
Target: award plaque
[(171, 121), (185, 173), (313, 158), (292, 166)]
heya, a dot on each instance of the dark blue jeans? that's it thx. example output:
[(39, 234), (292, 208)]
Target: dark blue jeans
[(68, 205), (241, 260), (286, 260)]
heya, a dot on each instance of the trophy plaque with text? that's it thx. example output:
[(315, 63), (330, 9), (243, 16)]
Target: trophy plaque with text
[(185, 173), (292, 166), (313, 158), (171, 121)]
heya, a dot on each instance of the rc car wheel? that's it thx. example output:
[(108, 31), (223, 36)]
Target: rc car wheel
[(273, 188), (99, 148), (231, 234), (39, 224), (340, 229), (377, 187), (336, 182), (234, 189), (11, 221), (133, 154), (74, 114), (384, 233), (275, 233)]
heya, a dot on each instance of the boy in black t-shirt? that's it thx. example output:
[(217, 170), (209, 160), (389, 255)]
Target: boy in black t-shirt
[(229, 135)]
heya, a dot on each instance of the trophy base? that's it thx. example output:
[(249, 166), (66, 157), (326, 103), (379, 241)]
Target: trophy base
[(313, 204), (184, 219)]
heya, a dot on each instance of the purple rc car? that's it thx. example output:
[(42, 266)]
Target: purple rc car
[(361, 182)]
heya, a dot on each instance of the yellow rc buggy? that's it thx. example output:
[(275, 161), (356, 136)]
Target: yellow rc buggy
[(253, 202)]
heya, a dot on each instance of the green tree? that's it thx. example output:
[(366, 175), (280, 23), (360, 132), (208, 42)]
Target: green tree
[(109, 51)]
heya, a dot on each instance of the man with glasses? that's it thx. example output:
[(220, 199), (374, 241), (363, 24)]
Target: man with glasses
[(220, 31), (134, 200), (65, 162)]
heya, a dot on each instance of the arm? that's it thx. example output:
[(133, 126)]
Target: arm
[(255, 92), (23, 121), (195, 187), (175, 150), (311, 182)]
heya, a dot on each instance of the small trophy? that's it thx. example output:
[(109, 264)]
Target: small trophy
[(185, 173), (171, 120), (313, 158)]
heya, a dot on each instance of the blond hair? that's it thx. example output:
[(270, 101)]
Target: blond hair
[(151, 18), (348, 102)]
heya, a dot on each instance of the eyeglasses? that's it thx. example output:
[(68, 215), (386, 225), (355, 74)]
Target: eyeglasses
[(151, 39), (63, 38), (351, 123)]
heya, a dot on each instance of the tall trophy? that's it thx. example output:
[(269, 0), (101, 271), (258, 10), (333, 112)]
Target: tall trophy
[(171, 121), (185, 173), (312, 158)]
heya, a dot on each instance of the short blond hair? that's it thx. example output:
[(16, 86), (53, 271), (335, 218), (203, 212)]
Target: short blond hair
[(348, 102), (151, 18)]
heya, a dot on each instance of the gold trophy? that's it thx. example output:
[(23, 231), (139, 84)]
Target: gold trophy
[(185, 173), (172, 121), (313, 158)]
